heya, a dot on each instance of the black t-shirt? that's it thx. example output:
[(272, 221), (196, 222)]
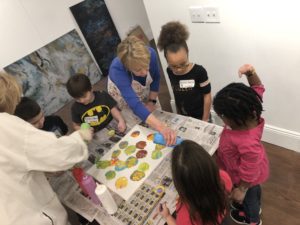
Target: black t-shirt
[(96, 113), (189, 90), (56, 125)]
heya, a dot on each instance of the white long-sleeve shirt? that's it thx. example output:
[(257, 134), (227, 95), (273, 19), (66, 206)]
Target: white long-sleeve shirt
[(26, 197)]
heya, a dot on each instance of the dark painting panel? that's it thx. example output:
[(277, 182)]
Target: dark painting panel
[(96, 25)]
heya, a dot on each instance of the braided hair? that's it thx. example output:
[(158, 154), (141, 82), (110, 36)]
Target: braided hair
[(172, 37), (238, 103)]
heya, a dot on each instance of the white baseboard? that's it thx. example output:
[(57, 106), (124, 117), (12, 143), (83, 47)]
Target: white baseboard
[(282, 137), (274, 135)]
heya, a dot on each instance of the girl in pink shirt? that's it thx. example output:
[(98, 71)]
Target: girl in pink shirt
[(201, 186), (241, 153)]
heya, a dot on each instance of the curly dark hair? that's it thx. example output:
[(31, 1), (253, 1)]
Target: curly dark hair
[(197, 180), (172, 37), (239, 103)]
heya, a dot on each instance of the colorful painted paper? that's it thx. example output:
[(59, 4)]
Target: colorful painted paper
[(126, 166), (45, 72)]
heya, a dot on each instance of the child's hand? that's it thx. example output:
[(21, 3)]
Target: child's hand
[(121, 126), (245, 69), (163, 210), (238, 195)]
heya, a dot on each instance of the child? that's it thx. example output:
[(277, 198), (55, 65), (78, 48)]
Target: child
[(241, 152), (189, 81), (201, 186), (30, 111), (96, 108), (26, 196)]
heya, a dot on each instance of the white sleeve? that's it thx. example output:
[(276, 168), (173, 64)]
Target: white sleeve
[(45, 152)]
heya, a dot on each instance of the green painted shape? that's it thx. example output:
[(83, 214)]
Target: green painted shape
[(143, 167)]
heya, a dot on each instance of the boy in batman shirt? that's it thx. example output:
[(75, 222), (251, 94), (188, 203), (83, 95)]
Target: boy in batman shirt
[(96, 108)]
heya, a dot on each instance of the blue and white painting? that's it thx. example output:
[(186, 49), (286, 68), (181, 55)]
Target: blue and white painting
[(45, 72)]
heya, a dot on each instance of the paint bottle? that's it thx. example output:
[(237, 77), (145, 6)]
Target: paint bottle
[(159, 139), (106, 199), (85, 126), (89, 185), (78, 174)]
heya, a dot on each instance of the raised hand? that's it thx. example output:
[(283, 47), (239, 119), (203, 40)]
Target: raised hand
[(246, 69)]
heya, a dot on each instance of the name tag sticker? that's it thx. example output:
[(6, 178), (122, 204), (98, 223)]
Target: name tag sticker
[(90, 119), (187, 83)]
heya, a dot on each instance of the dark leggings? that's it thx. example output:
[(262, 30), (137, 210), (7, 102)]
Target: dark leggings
[(252, 204)]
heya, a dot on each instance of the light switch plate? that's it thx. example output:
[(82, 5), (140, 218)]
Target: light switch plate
[(211, 14), (196, 14)]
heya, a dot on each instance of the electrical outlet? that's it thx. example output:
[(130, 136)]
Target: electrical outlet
[(196, 14), (211, 14)]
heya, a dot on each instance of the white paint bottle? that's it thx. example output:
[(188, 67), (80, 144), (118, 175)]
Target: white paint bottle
[(106, 199)]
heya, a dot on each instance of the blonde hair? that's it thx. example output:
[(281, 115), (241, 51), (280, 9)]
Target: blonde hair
[(10, 93), (133, 53)]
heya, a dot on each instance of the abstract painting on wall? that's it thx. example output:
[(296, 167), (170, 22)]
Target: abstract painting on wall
[(45, 72), (97, 27)]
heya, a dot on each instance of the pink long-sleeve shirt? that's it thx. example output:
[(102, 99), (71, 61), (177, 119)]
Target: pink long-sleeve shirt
[(241, 153)]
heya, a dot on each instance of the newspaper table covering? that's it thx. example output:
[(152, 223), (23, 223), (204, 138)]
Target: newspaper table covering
[(205, 134), (69, 193)]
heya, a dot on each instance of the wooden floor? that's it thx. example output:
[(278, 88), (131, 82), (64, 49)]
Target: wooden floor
[(281, 193)]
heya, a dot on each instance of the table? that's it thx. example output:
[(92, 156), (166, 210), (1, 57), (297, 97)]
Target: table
[(68, 191)]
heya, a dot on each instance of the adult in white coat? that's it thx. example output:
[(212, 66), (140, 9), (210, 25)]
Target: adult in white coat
[(25, 154)]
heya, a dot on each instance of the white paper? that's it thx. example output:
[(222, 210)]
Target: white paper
[(127, 191)]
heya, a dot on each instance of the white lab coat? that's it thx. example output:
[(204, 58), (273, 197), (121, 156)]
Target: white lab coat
[(26, 197)]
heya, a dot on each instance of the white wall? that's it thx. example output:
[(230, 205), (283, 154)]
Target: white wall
[(264, 33), (27, 25), (128, 13)]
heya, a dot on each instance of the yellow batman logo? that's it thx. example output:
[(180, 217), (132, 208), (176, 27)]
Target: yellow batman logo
[(96, 115)]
